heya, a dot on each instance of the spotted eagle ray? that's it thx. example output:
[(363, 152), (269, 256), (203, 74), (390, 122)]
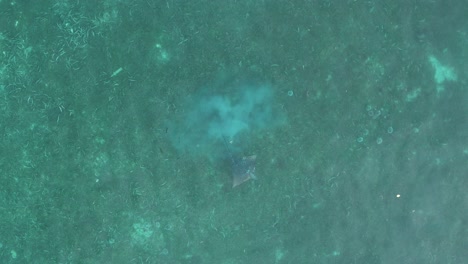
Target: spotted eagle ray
[(243, 168)]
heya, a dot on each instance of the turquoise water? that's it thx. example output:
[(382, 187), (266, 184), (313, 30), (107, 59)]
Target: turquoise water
[(113, 117)]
